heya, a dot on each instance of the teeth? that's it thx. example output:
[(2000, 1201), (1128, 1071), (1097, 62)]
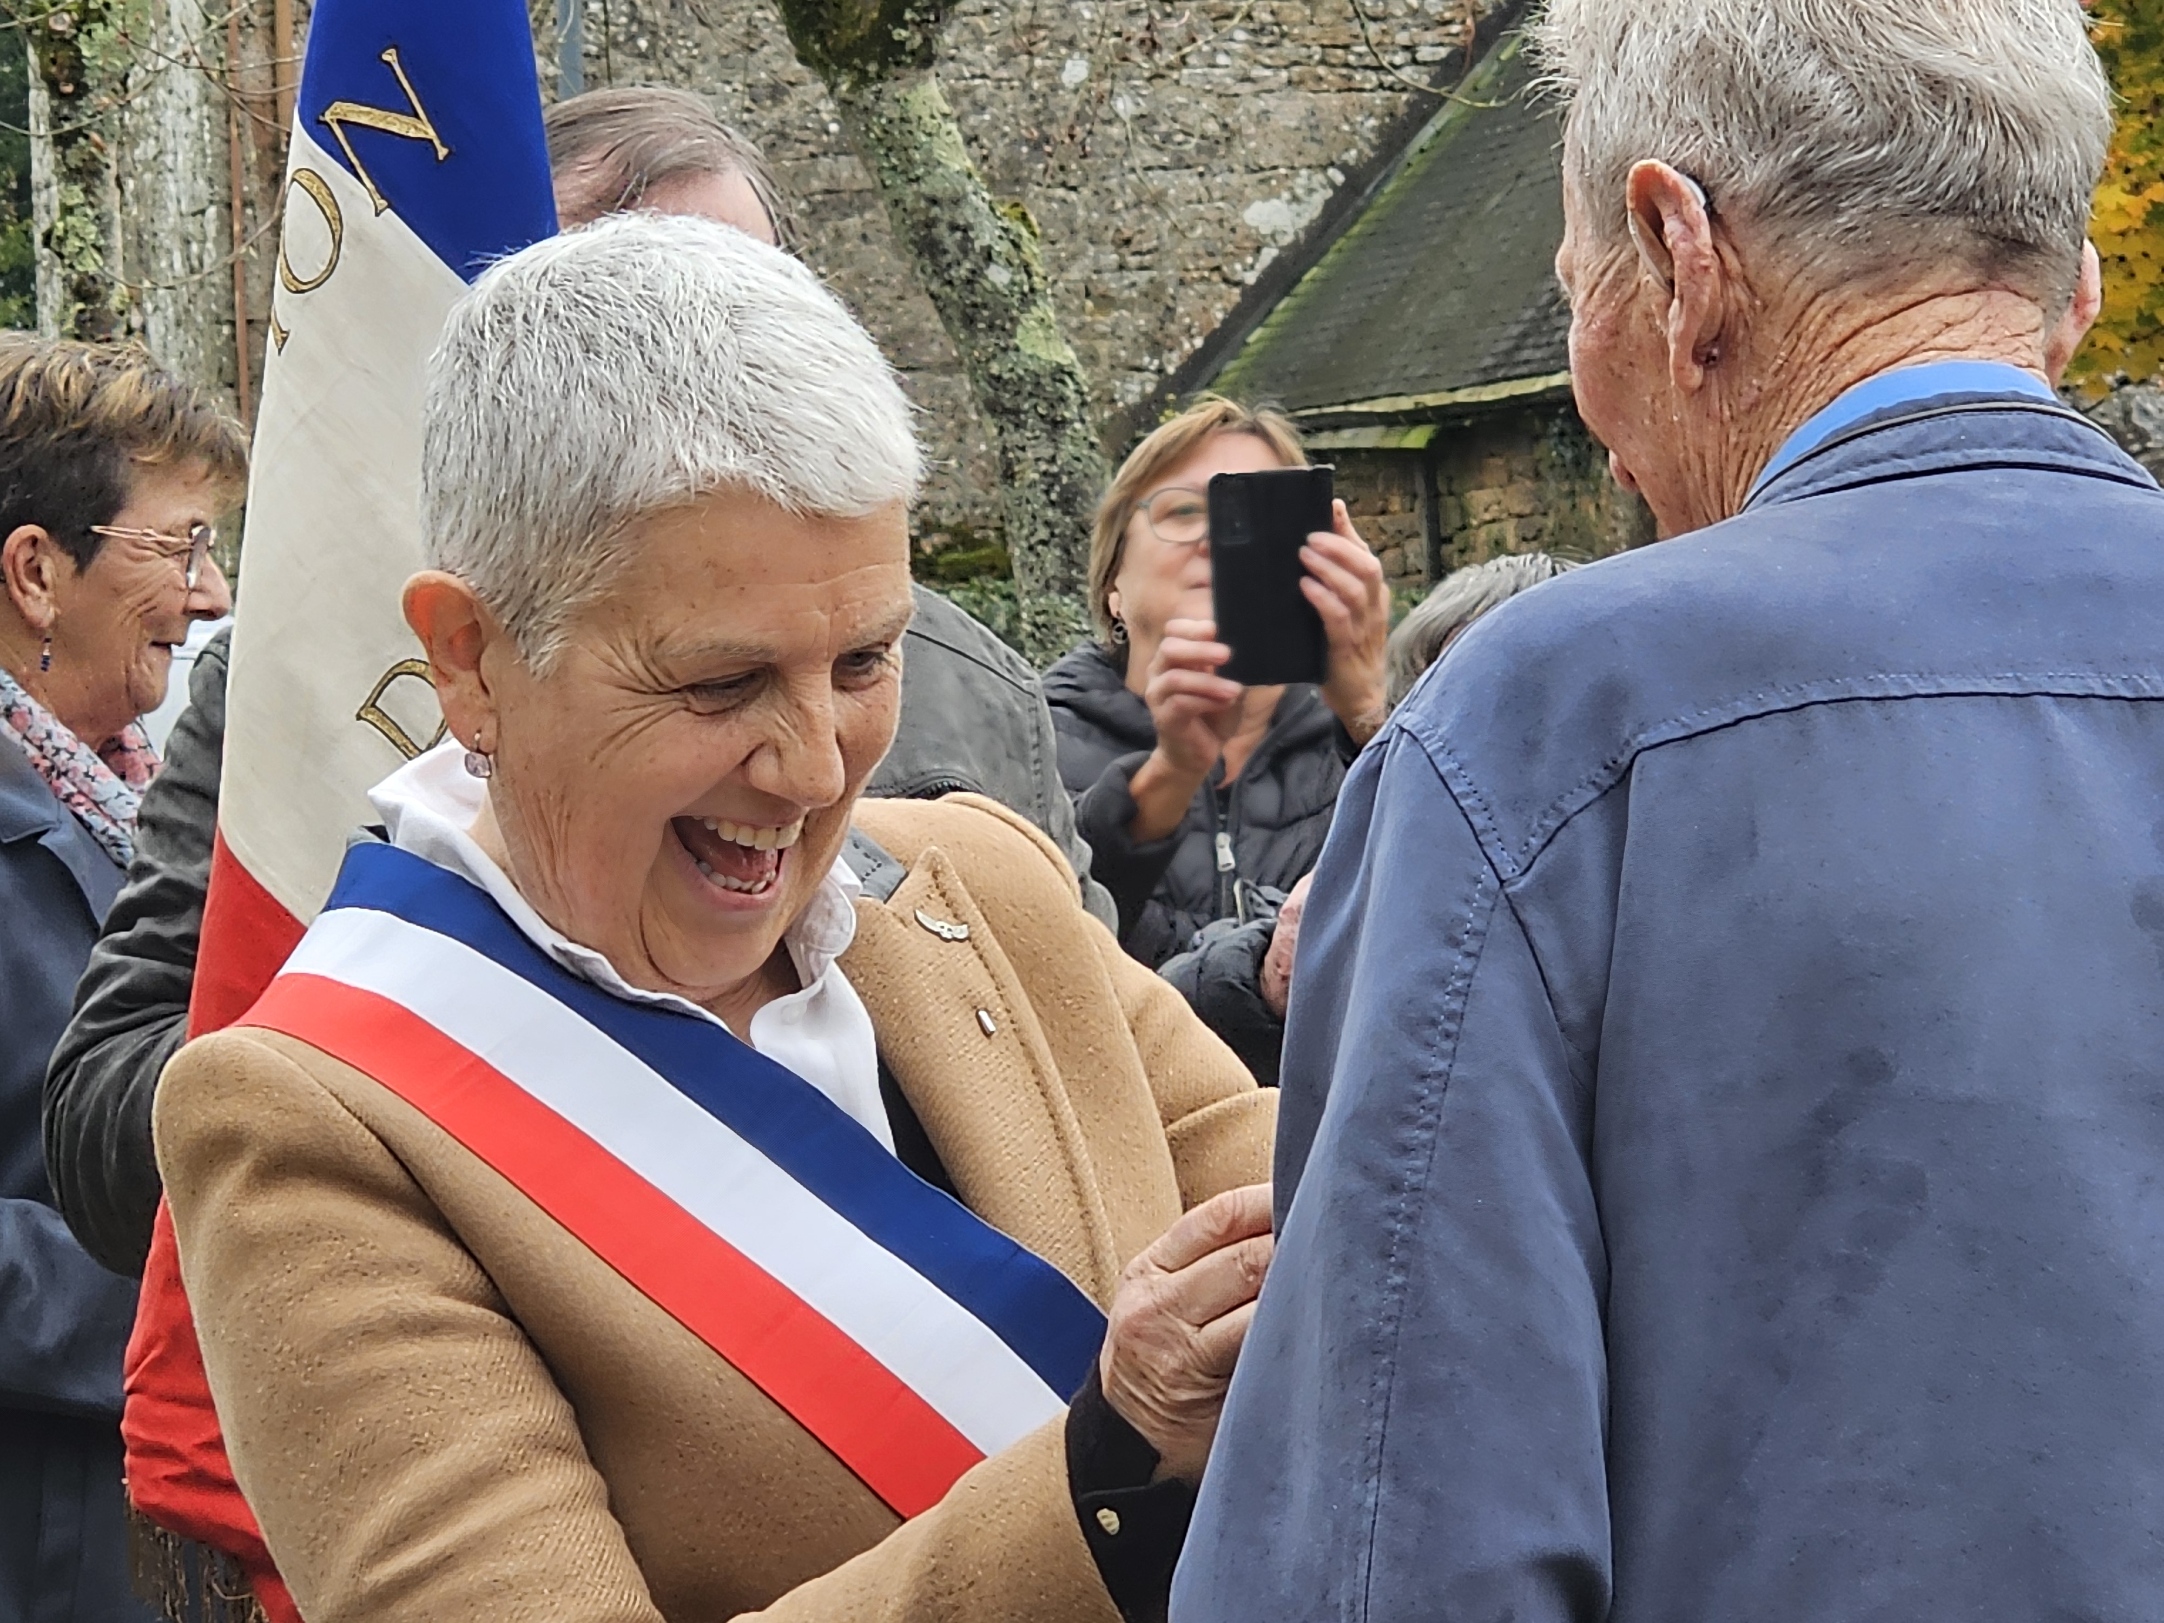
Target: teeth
[(738, 885), (758, 839)]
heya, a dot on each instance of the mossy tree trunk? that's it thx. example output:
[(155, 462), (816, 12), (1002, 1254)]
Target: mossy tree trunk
[(979, 260), (177, 237), (77, 57)]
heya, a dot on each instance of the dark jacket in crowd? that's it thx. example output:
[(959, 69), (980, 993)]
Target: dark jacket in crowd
[(1265, 828), (64, 1320), (1723, 1121), (1221, 978), (973, 719)]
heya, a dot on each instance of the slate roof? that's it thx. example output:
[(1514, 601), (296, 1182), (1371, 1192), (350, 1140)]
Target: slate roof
[(1440, 293)]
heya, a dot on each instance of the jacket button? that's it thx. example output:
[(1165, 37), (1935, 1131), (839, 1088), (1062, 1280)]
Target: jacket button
[(984, 1022), (1109, 1520)]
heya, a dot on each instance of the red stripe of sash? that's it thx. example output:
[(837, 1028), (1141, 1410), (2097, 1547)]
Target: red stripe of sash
[(904, 1450)]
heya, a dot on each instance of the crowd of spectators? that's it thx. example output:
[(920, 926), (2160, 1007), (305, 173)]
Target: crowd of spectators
[(1680, 1052)]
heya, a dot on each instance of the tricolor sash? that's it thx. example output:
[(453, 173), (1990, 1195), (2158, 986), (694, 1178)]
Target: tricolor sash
[(906, 1334)]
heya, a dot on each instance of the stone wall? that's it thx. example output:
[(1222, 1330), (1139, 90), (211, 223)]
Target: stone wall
[(1528, 480), (1169, 154), (1386, 493)]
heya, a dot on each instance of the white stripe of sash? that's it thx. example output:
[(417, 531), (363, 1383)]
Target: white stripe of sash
[(938, 1348)]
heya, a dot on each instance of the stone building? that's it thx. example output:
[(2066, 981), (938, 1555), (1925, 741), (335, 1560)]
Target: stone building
[(1424, 350), (1263, 197), (1180, 160), (1184, 161), (1347, 205)]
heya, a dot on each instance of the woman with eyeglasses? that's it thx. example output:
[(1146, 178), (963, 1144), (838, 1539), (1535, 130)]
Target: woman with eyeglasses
[(1204, 802), (111, 471)]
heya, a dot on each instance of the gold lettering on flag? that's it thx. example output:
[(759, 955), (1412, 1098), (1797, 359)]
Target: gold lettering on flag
[(318, 191), (413, 126), (372, 711)]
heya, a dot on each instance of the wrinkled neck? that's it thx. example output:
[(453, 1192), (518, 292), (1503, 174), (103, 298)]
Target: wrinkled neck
[(1826, 348)]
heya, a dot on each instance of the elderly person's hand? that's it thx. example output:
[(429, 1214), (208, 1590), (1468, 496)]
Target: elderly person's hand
[(1178, 1318), (1345, 584), (1284, 942)]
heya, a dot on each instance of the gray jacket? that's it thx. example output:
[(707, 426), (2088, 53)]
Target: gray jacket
[(973, 718)]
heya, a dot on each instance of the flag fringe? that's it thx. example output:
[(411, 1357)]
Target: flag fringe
[(187, 1582)]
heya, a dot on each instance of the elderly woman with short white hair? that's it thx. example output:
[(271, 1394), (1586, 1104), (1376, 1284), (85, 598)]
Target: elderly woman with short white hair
[(661, 1185)]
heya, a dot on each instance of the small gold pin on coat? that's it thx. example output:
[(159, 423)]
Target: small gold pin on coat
[(941, 928)]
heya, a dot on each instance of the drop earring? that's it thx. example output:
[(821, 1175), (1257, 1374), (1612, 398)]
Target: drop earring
[(480, 764), (45, 655)]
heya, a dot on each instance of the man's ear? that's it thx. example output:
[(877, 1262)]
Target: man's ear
[(30, 564), (2081, 312), (457, 632), (1672, 227)]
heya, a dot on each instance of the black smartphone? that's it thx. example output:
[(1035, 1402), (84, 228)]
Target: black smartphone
[(1258, 524)]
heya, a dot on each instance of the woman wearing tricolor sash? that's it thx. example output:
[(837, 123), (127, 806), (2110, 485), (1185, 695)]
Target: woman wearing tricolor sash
[(662, 1185)]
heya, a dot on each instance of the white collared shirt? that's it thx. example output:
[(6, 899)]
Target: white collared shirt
[(823, 1032)]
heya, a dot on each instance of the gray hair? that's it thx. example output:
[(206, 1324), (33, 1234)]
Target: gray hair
[(609, 148), (1459, 598), (629, 367), (1876, 133)]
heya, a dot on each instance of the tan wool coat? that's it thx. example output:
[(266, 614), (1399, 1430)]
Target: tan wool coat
[(445, 1409)]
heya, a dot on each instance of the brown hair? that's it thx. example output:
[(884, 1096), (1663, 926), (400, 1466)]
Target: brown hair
[(1167, 446), (609, 148), (76, 419)]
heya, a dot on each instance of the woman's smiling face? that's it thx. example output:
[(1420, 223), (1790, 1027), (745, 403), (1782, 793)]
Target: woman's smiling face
[(118, 619), (674, 787)]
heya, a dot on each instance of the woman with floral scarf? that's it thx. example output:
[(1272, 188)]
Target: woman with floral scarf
[(112, 472)]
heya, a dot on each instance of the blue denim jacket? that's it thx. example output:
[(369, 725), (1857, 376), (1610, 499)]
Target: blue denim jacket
[(1724, 1098)]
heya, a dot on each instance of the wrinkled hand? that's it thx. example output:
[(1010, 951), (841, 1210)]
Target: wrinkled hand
[(1284, 941), (1193, 708), (1179, 1315), (1345, 584)]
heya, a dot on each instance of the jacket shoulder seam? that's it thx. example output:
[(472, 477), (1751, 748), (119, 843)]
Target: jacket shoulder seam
[(1010, 678), (1781, 699)]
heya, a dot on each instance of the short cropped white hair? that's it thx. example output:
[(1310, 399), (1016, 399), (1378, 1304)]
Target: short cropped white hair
[(1869, 132), (628, 367)]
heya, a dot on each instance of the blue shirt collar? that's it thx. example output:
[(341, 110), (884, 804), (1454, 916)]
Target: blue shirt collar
[(1900, 387)]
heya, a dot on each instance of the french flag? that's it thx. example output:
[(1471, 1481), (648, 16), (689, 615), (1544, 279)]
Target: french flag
[(416, 159)]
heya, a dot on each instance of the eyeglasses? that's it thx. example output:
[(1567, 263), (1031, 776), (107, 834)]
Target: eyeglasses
[(1177, 517), (190, 551)]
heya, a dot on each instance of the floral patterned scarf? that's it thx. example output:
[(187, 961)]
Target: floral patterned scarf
[(102, 787)]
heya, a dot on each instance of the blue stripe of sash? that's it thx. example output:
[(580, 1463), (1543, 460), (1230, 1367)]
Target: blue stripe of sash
[(1030, 1305)]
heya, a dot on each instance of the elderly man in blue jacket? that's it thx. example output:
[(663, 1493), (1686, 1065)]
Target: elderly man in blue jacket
[(1722, 1171)]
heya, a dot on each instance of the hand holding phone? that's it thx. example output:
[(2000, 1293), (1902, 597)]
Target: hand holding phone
[(1258, 524)]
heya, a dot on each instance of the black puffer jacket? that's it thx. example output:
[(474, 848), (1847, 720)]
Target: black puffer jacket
[(1269, 823)]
